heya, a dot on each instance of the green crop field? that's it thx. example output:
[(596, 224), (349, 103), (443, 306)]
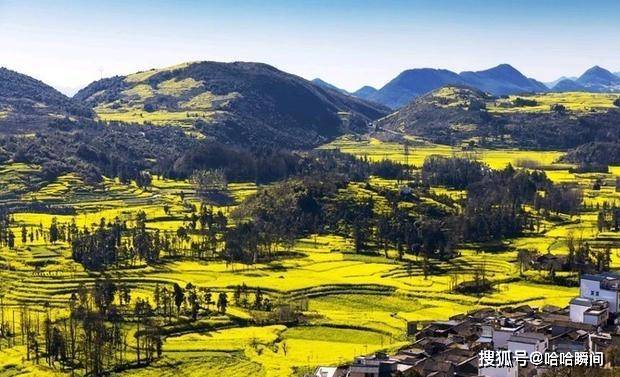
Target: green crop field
[(353, 303), (573, 101)]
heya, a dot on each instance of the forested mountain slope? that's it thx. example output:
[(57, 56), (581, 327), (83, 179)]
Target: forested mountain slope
[(239, 103)]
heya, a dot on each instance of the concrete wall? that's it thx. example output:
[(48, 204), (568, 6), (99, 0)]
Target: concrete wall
[(500, 337), (576, 312)]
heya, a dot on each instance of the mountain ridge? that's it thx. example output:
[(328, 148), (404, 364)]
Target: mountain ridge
[(459, 116), (27, 103), (599, 79), (239, 103), (325, 85), (409, 84)]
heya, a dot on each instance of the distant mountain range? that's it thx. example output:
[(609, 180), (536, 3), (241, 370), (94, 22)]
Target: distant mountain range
[(256, 104), (501, 80), (595, 79), (553, 83)]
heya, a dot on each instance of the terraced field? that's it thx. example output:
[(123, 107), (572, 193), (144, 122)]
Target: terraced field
[(356, 303), (573, 101)]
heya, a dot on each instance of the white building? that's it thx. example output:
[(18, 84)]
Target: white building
[(585, 310), (605, 287), (578, 306), (596, 316), (499, 335), (528, 342)]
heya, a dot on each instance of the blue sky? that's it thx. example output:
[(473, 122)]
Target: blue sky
[(348, 43)]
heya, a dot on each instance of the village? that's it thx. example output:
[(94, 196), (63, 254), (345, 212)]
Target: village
[(508, 342)]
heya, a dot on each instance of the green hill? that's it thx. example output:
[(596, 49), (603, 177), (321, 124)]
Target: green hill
[(239, 103)]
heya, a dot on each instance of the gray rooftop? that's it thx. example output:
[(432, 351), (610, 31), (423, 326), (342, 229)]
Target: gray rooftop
[(528, 338), (582, 301)]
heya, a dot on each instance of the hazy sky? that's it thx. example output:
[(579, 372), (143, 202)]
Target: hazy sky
[(348, 43)]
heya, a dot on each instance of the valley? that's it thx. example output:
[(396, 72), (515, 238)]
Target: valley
[(232, 219), (351, 303)]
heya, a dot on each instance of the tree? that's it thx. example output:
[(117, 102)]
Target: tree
[(144, 180), (617, 102), (54, 231), (192, 299), (258, 299), (558, 108), (207, 297), (524, 257), (24, 234), (179, 296), (11, 239), (222, 302), (211, 186), (409, 268)]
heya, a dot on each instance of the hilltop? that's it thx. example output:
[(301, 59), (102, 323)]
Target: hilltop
[(599, 80), (28, 103), (439, 115), (325, 85), (412, 83), (568, 85), (238, 103), (501, 80), (461, 115), (595, 79), (365, 91)]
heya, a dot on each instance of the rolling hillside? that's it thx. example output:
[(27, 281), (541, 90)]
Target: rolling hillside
[(27, 103), (463, 116), (240, 103)]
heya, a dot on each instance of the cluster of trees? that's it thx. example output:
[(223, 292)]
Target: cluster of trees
[(94, 150), (581, 258), (189, 301), (115, 243), (496, 199), (107, 329), (7, 236), (94, 337), (595, 154), (56, 232), (278, 215), (242, 298), (498, 204), (608, 218), (522, 102), (456, 172)]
